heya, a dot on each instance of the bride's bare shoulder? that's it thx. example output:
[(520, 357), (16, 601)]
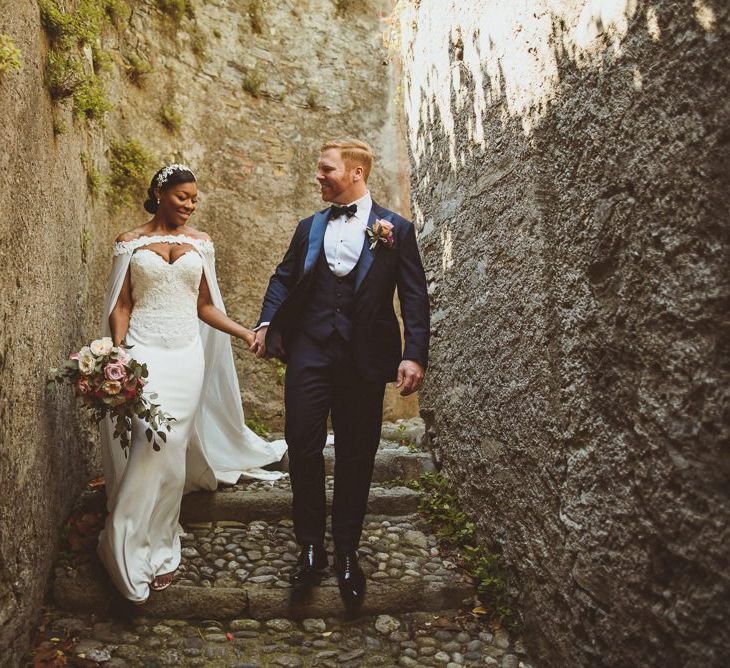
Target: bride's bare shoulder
[(129, 235)]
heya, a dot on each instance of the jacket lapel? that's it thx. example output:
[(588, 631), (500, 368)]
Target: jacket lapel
[(316, 238), (367, 256)]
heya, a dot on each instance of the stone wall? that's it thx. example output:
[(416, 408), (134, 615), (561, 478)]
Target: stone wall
[(257, 84), (47, 289), (570, 185)]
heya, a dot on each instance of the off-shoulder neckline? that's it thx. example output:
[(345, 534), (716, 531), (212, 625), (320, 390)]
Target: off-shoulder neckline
[(125, 247)]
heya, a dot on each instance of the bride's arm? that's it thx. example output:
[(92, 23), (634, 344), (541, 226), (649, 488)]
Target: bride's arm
[(119, 317), (213, 316)]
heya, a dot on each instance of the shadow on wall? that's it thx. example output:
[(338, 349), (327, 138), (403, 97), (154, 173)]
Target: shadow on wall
[(571, 166)]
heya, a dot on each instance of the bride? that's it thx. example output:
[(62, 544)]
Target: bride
[(163, 302)]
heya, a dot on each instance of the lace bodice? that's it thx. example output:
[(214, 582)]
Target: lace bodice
[(164, 295)]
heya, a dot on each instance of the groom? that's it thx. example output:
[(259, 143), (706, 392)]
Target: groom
[(328, 312)]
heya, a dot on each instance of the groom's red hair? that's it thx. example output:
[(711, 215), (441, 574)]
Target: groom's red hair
[(354, 152)]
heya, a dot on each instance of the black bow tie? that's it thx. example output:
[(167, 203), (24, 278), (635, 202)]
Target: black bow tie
[(347, 211)]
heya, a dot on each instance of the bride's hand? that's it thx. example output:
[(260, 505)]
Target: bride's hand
[(258, 345), (248, 337)]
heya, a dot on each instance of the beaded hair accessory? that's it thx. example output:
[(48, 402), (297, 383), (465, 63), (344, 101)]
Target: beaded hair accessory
[(169, 171)]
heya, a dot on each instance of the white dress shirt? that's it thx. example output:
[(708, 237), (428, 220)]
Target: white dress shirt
[(344, 237)]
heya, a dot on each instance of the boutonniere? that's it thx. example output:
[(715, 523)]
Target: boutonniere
[(381, 231)]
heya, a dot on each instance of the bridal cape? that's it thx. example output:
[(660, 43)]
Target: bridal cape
[(221, 448)]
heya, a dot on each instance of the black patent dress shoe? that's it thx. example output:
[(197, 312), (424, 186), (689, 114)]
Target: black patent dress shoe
[(350, 579), (308, 572)]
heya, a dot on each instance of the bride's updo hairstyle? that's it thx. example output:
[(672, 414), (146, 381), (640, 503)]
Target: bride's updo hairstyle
[(168, 176)]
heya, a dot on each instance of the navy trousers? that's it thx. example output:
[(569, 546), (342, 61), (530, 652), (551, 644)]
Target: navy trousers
[(321, 379)]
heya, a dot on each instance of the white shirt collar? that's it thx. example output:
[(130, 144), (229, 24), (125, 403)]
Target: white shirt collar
[(364, 207)]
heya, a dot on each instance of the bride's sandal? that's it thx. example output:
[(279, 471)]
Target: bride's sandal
[(162, 581)]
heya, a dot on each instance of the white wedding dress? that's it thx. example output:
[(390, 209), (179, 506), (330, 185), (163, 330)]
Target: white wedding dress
[(191, 370)]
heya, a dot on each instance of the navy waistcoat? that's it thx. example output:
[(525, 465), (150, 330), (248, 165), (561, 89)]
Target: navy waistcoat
[(330, 303)]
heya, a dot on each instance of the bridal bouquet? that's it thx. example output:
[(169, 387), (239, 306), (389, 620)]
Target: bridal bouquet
[(109, 382)]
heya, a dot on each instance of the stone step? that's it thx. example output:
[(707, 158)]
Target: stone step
[(410, 430), (248, 501), (415, 639), (260, 602), (236, 569), (392, 462)]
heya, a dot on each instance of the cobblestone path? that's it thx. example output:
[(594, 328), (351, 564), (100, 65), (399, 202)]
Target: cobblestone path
[(230, 603)]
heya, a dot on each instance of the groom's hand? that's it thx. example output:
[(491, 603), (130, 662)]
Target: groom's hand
[(258, 347), (410, 377)]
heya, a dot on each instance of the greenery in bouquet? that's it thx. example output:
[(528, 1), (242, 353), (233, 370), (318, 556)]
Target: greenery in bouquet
[(108, 381)]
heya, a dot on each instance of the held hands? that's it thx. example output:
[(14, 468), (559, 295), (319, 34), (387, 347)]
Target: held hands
[(258, 346), (410, 377), (249, 337)]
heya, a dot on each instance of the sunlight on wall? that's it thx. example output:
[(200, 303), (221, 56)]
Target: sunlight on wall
[(514, 45), (704, 14), (447, 256)]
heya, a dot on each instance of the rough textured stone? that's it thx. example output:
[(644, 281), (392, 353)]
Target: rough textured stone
[(49, 289), (570, 186), (254, 155)]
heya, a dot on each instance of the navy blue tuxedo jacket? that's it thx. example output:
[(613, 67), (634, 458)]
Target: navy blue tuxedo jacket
[(376, 337)]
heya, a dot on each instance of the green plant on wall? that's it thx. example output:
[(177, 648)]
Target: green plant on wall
[(312, 100), (59, 128), (67, 32), (9, 55), (64, 73), (117, 11), (280, 369), (90, 100), (57, 23), (101, 59), (170, 118), (94, 179), (130, 167), (177, 9), (137, 69), (456, 531), (253, 83), (257, 426)]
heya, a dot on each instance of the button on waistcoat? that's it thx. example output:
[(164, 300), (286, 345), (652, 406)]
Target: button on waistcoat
[(330, 303)]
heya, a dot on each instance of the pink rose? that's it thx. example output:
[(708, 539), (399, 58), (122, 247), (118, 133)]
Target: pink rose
[(75, 356), (383, 228), (382, 231), (83, 385), (115, 371)]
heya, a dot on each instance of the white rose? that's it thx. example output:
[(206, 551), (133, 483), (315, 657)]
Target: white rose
[(87, 362), (102, 346)]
